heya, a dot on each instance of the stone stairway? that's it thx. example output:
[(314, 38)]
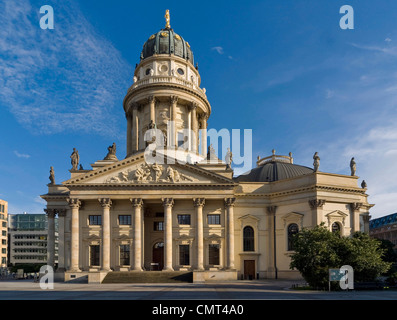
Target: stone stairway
[(148, 277)]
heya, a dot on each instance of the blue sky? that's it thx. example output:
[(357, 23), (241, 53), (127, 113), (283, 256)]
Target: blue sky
[(284, 69)]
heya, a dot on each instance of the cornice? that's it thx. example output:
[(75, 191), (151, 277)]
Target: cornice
[(132, 91), (313, 188)]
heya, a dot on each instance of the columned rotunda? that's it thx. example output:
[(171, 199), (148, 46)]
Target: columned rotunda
[(139, 216)]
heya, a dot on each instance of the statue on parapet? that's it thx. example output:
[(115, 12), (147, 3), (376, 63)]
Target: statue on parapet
[(75, 159), (229, 158), (52, 175), (111, 152), (353, 167), (316, 162)]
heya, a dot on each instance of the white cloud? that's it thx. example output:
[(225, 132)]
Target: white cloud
[(21, 155), (218, 49), (66, 79), (329, 93)]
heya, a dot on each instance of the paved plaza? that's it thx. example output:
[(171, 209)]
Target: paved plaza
[(236, 290)]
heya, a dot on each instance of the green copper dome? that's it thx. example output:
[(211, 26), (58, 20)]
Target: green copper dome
[(166, 41)]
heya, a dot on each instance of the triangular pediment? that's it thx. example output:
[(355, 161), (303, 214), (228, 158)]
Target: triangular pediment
[(336, 214), (136, 171)]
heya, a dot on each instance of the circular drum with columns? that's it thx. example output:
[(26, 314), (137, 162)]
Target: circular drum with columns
[(166, 95)]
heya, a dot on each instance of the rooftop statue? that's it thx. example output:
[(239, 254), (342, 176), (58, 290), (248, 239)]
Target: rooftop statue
[(353, 167), (316, 162), (229, 158), (111, 153), (75, 159), (52, 175)]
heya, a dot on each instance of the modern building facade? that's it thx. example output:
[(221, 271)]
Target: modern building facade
[(28, 239), (384, 228), (3, 233), (170, 203)]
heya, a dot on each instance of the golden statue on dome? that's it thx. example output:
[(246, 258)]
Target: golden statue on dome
[(167, 19)]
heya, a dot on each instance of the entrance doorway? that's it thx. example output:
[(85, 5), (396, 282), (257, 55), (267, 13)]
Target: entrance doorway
[(249, 269), (158, 256)]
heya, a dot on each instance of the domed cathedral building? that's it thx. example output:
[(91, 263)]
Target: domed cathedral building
[(170, 206)]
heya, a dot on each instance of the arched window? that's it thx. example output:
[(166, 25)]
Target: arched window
[(336, 227), (248, 238), (292, 230)]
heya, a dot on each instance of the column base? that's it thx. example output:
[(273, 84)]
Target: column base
[(168, 269), (137, 269)]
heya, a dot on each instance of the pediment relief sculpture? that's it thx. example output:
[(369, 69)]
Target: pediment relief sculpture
[(147, 173)]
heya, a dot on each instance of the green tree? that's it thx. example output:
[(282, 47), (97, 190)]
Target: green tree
[(317, 250)]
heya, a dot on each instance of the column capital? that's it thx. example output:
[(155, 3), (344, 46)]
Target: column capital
[(50, 212), (105, 202), (133, 105), (199, 202), (229, 202), (366, 217), (316, 203), (151, 98), (271, 210), (61, 212), (168, 202), (203, 116), (74, 202), (193, 105), (174, 99), (136, 202), (355, 206)]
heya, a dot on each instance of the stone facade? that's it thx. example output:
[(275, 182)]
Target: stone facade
[(129, 214)]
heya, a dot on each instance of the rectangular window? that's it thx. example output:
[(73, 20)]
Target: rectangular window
[(159, 226), (184, 219), (95, 220), (184, 258), (94, 255), (213, 254), (125, 220), (214, 219), (124, 255)]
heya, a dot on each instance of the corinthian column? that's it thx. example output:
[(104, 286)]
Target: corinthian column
[(128, 116), (137, 213), (51, 237), (317, 211), (152, 101), (203, 119), (271, 267), (174, 135), (74, 237), (135, 124), (355, 212), (199, 204), (229, 205), (193, 112), (61, 239), (106, 204), (168, 204)]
